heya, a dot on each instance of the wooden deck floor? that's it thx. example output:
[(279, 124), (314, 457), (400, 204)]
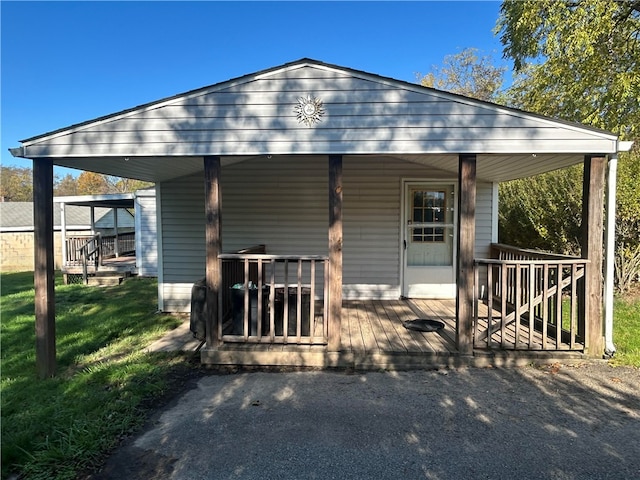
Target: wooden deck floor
[(375, 327)]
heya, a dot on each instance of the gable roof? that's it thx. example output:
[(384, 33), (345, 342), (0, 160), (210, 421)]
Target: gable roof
[(361, 114)]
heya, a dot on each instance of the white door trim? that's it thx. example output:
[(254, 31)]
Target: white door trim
[(406, 183)]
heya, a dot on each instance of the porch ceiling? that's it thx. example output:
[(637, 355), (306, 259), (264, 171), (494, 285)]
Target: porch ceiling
[(490, 167)]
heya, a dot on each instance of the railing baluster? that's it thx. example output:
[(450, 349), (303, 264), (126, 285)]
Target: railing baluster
[(272, 302), (489, 302), (299, 302), (559, 306), (518, 287), (260, 309), (312, 300), (532, 292), (503, 306), (245, 319), (574, 305), (545, 304), (476, 283), (285, 302)]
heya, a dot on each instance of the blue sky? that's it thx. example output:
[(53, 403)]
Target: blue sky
[(67, 62)]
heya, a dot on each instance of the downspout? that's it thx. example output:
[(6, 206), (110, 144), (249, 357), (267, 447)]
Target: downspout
[(610, 247), (610, 251)]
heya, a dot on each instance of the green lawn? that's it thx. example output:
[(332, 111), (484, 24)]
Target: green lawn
[(626, 330), (54, 428)]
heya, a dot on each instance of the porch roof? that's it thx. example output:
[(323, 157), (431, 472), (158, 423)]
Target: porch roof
[(110, 200), (349, 112)]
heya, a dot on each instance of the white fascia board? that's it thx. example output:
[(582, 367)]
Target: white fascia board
[(70, 200)]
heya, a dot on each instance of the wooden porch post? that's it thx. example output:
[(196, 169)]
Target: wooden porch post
[(63, 234), (466, 244), (213, 235), (43, 268), (592, 244), (93, 219), (335, 251), (116, 246)]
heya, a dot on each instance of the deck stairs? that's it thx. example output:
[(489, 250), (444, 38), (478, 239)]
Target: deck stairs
[(112, 272), (108, 277)]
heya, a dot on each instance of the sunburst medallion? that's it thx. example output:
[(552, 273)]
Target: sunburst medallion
[(309, 110)]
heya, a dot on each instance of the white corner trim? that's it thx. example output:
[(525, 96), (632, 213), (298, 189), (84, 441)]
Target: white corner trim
[(160, 251), (494, 211)]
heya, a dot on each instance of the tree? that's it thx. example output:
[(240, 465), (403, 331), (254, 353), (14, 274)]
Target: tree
[(466, 73), (90, 183), (125, 185), (66, 186), (577, 60), (580, 61), (16, 184), (543, 212)]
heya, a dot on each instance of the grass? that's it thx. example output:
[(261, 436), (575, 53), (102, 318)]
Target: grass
[(58, 427), (626, 329)]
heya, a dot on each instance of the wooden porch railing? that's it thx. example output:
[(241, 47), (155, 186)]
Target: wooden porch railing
[(107, 243), (528, 300), (74, 246), (90, 252), (126, 244), (272, 299)]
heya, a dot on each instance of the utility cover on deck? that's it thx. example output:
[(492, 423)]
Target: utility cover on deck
[(423, 325)]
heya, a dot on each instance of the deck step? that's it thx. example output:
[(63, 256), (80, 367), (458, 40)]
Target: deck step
[(106, 278)]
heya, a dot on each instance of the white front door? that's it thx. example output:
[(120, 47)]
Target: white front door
[(428, 240)]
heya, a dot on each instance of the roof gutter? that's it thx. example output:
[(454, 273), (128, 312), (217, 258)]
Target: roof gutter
[(624, 146), (18, 152)]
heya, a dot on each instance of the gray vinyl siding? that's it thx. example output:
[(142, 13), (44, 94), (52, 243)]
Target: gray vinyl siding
[(146, 233), (362, 114), (484, 205), (283, 203)]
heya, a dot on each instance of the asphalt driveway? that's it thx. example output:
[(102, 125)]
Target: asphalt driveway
[(553, 422)]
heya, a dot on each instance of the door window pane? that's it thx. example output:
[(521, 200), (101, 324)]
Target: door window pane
[(429, 206)]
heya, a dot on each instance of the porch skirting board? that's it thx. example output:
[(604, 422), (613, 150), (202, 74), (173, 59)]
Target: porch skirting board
[(294, 356), (318, 357)]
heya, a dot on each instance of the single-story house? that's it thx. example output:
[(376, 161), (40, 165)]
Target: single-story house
[(374, 202), (17, 236)]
